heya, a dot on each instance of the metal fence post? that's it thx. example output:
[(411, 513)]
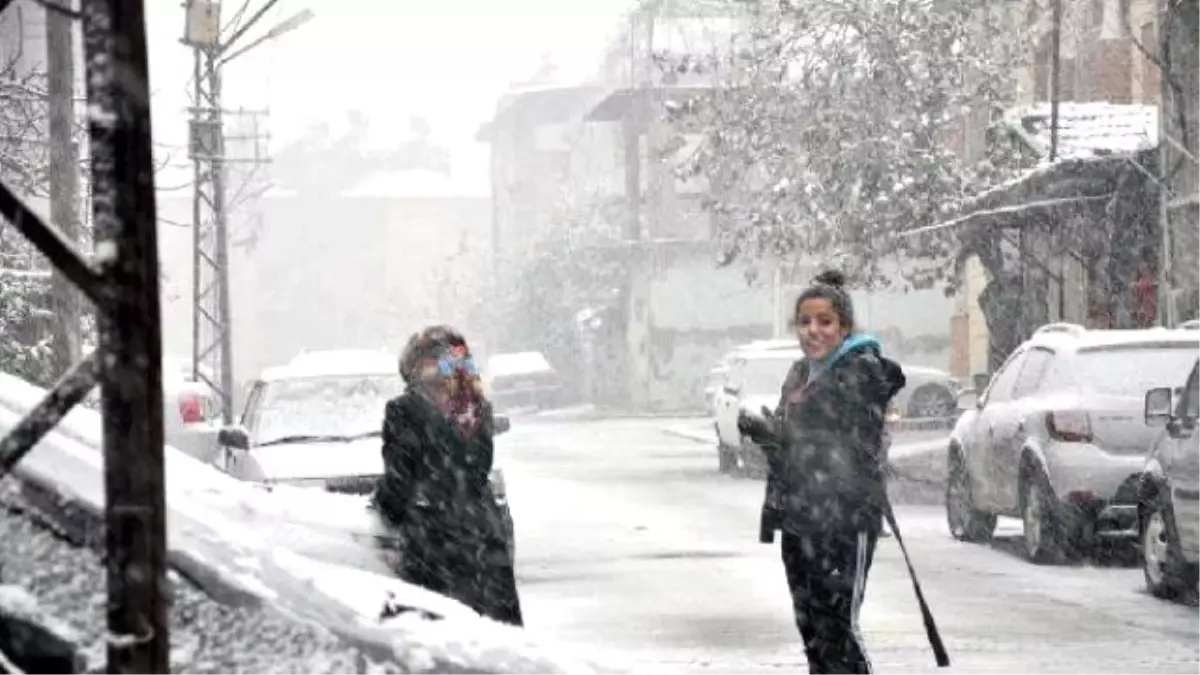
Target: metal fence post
[(118, 92)]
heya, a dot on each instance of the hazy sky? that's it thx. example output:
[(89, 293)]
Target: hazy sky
[(445, 60)]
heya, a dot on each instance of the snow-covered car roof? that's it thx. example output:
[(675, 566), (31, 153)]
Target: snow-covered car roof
[(313, 557), (332, 363), (793, 354), (517, 363), (772, 344), (1071, 336)]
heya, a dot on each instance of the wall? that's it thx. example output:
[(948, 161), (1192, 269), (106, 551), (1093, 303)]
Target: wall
[(698, 312)]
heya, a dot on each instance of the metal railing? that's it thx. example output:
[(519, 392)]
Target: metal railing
[(121, 278)]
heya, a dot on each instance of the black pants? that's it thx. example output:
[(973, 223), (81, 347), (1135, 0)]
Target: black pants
[(827, 577)]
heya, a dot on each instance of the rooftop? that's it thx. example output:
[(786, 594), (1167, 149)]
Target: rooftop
[(1086, 129)]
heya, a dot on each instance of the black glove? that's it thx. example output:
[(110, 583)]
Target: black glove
[(771, 518), (770, 521), (762, 430)]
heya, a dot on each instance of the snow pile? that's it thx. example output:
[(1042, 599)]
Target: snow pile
[(312, 555)]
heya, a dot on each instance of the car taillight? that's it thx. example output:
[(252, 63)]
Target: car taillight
[(191, 408), (1072, 426)]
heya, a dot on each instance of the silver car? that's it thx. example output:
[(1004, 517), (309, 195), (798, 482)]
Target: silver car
[(1058, 438), (317, 423), (1169, 509)]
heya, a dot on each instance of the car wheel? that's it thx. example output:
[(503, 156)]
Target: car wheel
[(1040, 515), (727, 459), (966, 522), (932, 402), (1166, 575), (752, 461)]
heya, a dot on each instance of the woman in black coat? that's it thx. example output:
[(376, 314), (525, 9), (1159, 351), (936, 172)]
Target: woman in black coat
[(437, 454), (826, 489)]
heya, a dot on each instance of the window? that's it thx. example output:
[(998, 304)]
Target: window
[(1133, 369), (1033, 371), (341, 405), (250, 414), (763, 377), (1000, 389)]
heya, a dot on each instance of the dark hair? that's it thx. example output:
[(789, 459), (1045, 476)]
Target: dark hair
[(427, 343), (830, 285)]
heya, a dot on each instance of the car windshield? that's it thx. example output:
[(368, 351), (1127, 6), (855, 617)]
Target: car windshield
[(331, 407), (1131, 370), (764, 376)]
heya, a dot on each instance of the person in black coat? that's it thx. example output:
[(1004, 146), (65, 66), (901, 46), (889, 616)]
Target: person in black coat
[(437, 455), (825, 489)]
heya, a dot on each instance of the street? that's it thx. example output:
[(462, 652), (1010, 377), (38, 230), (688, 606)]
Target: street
[(632, 547)]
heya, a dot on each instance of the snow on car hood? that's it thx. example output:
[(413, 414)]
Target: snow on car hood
[(754, 404), (311, 554), (294, 461)]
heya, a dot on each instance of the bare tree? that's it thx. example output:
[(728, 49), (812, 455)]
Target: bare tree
[(25, 316)]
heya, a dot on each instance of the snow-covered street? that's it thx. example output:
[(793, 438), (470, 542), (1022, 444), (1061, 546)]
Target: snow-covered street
[(630, 543)]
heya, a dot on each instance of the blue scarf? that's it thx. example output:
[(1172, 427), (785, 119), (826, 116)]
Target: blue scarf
[(851, 342)]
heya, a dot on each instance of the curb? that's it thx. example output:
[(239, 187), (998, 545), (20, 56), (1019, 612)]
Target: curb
[(706, 438)]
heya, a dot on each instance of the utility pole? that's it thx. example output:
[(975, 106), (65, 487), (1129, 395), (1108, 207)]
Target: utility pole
[(64, 178), (1055, 76), (212, 329)]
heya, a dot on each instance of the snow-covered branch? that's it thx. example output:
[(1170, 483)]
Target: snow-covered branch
[(839, 127)]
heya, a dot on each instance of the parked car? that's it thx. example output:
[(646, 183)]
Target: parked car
[(714, 380), (318, 424), (191, 410), (191, 416), (1058, 439), (1169, 504), (523, 380), (928, 394), (755, 380)]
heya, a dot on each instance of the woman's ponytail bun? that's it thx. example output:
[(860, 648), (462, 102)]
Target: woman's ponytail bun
[(833, 278)]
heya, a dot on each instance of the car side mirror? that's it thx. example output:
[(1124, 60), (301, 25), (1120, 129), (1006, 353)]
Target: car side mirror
[(1158, 408), (968, 399), (980, 381), (502, 424), (234, 437)]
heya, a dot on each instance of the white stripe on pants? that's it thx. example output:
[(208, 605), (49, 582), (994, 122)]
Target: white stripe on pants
[(856, 598)]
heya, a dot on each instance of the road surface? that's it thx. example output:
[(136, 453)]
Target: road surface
[(632, 547)]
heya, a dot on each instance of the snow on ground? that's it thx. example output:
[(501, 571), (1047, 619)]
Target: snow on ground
[(312, 555)]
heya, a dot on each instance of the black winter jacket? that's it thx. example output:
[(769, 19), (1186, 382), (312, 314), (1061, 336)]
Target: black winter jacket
[(430, 470), (827, 470)]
